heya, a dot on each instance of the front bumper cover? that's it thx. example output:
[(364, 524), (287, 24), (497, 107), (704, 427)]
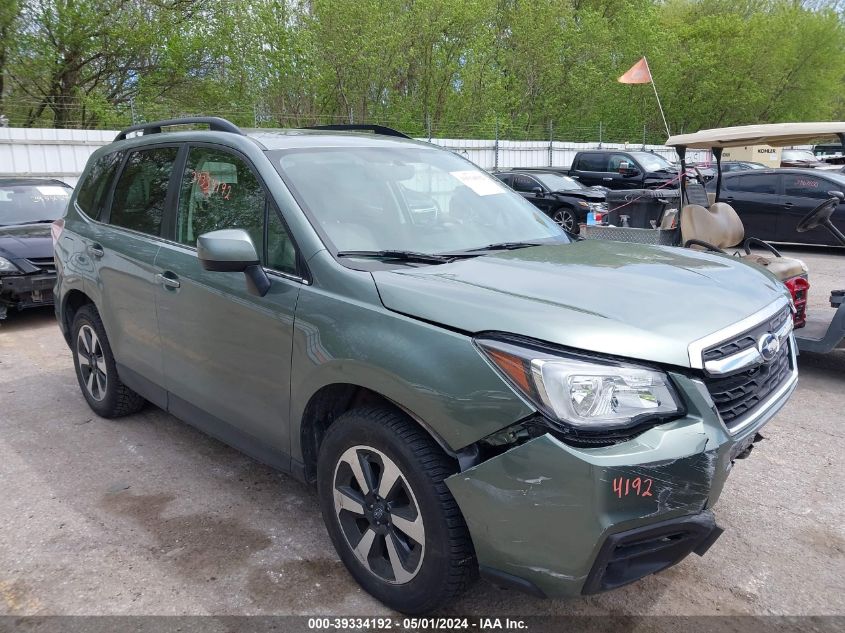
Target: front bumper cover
[(22, 291), (544, 515)]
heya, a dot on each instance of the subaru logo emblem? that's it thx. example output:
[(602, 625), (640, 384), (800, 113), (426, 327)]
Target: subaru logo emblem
[(768, 346)]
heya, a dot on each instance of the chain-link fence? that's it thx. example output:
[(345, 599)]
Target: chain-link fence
[(71, 114)]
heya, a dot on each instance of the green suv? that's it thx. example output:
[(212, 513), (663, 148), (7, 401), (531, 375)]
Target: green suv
[(470, 388)]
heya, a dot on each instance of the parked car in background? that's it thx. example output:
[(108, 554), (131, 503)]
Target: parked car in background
[(831, 153), (802, 158), (707, 171), (741, 165), (27, 208), (617, 169), (561, 198), (470, 390), (771, 202)]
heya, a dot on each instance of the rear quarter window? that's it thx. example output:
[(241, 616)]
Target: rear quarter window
[(92, 193)]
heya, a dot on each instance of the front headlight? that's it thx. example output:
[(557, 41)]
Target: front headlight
[(7, 267), (590, 394)]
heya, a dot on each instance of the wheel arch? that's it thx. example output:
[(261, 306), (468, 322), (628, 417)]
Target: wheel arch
[(331, 401), (71, 303)]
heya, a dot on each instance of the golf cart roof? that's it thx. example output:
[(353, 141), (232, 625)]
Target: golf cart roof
[(774, 134)]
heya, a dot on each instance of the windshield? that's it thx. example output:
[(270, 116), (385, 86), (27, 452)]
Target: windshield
[(21, 204), (799, 154), (652, 162), (558, 183), (407, 198)]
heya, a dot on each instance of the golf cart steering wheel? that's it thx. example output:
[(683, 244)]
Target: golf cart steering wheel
[(818, 216)]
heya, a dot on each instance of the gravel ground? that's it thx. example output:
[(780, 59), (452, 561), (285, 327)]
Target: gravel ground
[(147, 516)]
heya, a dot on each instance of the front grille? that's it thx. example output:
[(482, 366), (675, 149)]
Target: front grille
[(746, 339), (44, 264), (740, 393)]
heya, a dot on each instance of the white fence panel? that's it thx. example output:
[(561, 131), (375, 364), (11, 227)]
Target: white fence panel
[(62, 154), (38, 152)]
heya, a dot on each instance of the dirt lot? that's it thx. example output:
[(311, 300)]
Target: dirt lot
[(147, 516)]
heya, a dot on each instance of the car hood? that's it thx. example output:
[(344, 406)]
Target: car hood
[(26, 241), (642, 302)]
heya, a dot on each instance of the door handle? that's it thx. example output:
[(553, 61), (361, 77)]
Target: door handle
[(607, 178), (95, 250), (168, 280), (788, 205)]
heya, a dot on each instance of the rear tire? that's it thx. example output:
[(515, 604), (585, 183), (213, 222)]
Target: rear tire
[(96, 372), (401, 534)]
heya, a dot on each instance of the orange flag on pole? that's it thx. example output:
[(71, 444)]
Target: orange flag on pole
[(637, 74)]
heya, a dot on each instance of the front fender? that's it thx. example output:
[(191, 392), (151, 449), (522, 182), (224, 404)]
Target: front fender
[(435, 374)]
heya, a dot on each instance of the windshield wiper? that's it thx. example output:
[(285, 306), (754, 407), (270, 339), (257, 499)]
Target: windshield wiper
[(502, 246), (402, 256)]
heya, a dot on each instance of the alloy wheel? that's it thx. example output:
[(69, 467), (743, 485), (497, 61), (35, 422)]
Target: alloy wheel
[(565, 219), (92, 362), (378, 514)]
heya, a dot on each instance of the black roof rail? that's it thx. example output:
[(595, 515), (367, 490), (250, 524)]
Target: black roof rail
[(214, 123), (364, 127)]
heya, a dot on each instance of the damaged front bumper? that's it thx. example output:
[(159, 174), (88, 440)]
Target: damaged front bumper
[(558, 520), (26, 291)]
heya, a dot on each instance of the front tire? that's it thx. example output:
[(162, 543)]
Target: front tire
[(96, 370), (390, 516), (566, 220)]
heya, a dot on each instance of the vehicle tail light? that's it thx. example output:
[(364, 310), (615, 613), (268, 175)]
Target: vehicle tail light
[(56, 230), (799, 288)]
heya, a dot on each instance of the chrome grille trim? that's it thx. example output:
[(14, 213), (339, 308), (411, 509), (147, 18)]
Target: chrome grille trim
[(696, 349), (749, 357)]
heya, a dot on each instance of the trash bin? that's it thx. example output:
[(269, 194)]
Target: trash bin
[(641, 206)]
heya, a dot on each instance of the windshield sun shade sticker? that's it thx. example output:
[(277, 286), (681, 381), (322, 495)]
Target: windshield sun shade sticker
[(53, 192), (478, 182)]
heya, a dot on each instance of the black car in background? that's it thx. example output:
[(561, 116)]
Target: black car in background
[(771, 202), (620, 169), (563, 199), (28, 206)]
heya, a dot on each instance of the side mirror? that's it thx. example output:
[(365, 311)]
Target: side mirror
[(232, 251), (837, 194), (537, 190)]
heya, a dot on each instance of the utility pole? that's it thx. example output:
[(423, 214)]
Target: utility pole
[(496, 146)]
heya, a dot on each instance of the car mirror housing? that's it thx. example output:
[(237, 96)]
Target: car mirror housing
[(837, 194), (232, 250)]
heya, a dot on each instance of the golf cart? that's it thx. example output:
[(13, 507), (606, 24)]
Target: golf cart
[(705, 222)]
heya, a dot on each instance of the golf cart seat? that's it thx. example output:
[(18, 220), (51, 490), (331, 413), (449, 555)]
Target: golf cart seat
[(717, 226)]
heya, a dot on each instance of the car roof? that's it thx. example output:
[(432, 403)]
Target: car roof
[(837, 175), (14, 181)]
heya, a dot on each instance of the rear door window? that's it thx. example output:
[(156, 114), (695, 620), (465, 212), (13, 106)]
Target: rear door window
[(592, 162), (141, 191), (525, 184), (93, 192), (756, 183)]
